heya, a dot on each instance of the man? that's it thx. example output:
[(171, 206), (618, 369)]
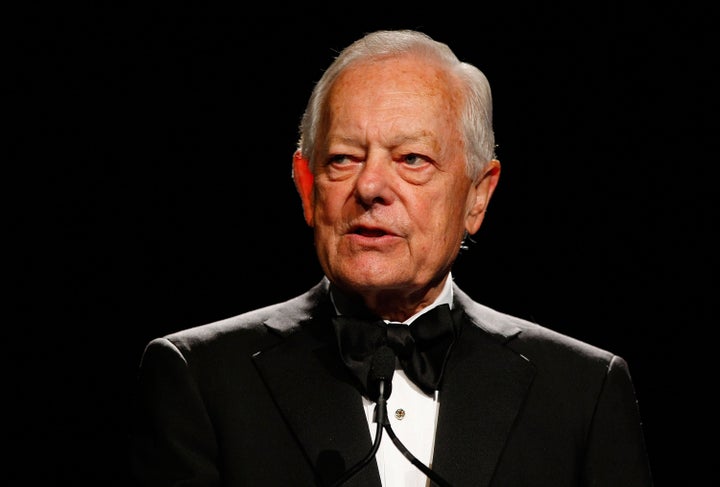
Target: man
[(395, 167)]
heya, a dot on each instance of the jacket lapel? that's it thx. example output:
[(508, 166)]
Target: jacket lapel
[(484, 386), (483, 389), (321, 405)]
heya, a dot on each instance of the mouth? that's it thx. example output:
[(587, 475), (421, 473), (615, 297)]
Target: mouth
[(369, 232)]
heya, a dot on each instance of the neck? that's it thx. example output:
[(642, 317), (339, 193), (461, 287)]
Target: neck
[(389, 304)]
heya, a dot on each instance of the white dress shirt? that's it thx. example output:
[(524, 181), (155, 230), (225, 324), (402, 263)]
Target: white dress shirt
[(413, 417)]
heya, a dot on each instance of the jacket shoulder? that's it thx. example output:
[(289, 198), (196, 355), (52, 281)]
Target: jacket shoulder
[(255, 328), (531, 339)]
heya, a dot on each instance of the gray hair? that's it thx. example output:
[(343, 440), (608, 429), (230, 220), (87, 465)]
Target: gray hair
[(476, 114)]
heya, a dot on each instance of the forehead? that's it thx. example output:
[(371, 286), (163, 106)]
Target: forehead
[(408, 74), (406, 89)]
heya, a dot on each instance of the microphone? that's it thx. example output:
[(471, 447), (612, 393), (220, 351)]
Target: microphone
[(382, 369), (380, 376)]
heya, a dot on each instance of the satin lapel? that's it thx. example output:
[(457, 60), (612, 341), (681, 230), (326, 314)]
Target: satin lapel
[(483, 389), (315, 395)]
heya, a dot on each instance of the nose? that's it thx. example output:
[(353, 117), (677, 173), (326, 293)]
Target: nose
[(374, 184)]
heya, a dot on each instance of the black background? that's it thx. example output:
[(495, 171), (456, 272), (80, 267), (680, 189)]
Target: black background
[(148, 189)]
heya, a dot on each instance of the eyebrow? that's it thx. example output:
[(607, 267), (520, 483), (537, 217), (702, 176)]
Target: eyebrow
[(419, 136)]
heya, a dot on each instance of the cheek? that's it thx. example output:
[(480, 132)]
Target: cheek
[(450, 208), (454, 222), (326, 207), (330, 211), (441, 221)]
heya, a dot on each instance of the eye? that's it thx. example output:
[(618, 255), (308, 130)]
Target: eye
[(414, 159), (338, 159)]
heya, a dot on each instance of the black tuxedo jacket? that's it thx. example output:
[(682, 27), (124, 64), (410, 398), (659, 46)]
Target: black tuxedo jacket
[(263, 399)]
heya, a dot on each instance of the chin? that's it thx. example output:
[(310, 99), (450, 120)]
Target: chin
[(375, 277)]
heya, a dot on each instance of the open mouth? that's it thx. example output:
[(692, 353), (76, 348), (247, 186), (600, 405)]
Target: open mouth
[(369, 232)]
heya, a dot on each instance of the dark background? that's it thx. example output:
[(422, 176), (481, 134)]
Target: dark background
[(148, 189)]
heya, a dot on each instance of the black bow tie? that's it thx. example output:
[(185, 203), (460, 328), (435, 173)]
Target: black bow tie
[(421, 347)]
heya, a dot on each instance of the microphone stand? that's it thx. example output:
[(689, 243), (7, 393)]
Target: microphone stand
[(380, 412), (381, 372), (423, 468)]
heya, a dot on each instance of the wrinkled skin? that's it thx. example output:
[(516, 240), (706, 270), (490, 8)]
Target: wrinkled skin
[(390, 199)]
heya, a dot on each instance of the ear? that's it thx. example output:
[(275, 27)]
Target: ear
[(480, 194), (304, 183)]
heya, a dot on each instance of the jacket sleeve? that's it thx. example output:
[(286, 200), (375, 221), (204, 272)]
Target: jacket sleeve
[(172, 440), (616, 453)]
